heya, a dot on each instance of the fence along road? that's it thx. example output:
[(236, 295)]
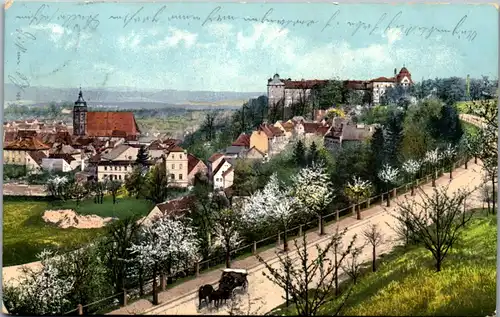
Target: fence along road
[(266, 295)]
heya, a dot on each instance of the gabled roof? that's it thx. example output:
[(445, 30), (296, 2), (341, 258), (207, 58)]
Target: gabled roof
[(215, 157), (175, 148), (233, 149), (192, 162), (220, 166), (311, 127), (115, 152), (383, 79), (37, 156), (288, 126), (256, 150), (26, 144), (242, 140), (108, 123), (177, 207)]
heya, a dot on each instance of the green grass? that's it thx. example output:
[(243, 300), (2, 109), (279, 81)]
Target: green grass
[(406, 283), (25, 234)]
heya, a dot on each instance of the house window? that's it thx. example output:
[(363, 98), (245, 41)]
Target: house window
[(173, 156), (173, 166), (119, 177), (180, 156), (180, 176), (105, 175), (116, 168), (172, 176), (125, 168), (105, 168), (180, 166)]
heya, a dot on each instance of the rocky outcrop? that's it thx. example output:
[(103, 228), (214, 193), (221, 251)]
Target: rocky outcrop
[(68, 218)]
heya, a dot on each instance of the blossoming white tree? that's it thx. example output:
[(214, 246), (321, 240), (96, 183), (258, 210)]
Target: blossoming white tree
[(271, 204), (41, 292), (449, 153), (389, 176), (356, 190), (58, 186), (432, 158), (313, 190), (165, 243), (227, 236), (411, 168)]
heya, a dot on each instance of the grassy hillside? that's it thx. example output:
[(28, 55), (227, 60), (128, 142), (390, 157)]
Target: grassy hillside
[(406, 283)]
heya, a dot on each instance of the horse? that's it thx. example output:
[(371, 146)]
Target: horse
[(216, 297), (205, 292)]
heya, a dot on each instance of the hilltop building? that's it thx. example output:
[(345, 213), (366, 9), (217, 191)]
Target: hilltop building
[(117, 124), (288, 92)]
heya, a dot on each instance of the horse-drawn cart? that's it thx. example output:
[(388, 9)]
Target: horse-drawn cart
[(231, 281)]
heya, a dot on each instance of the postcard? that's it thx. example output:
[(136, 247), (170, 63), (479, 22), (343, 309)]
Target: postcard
[(192, 158)]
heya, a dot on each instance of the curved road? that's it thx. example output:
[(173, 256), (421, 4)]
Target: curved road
[(263, 295)]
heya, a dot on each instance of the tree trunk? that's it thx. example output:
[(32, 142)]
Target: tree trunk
[(374, 265), (358, 210), (285, 237), (466, 161), (412, 193), (228, 257), (114, 199), (155, 289), (434, 173), (388, 198), (475, 159), (438, 265), (493, 196), (321, 225)]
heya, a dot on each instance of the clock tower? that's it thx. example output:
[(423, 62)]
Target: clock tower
[(80, 116)]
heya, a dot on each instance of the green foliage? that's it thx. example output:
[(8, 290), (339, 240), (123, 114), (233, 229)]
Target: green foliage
[(156, 184), (332, 94), (142, 156), (313, 153), (446, 127), (299, 154), (11, 171), (134, 182), (376, 114)]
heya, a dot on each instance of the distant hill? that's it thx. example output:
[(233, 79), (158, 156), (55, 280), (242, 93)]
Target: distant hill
[(128, 96)]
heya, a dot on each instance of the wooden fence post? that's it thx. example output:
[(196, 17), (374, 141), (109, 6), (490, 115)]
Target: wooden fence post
[(368, 201), (254, 248), (382, 198), (353, 207), (80, 309), (300, 231), (394, 192), (279, 239), (125, 299), (197, 268), (337, 215)]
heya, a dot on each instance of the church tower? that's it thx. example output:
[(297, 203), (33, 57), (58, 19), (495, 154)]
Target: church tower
[(80, 116)]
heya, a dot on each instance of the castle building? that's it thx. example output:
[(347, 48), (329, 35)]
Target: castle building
[(286, 92), (118, 124)]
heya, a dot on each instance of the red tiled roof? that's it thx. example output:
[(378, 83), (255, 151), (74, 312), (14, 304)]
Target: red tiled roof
[(288, 126), (26, 144), (215, 157), (275, 130), (192, 162), (311, 127), (304, 84), (175, 148), (242, 140), (177, 207), (321, 131), (10, 136), (107, 123), (37, 156), (264, 128)]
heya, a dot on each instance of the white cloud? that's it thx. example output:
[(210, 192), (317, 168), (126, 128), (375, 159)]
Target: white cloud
[(263, 35), (220, 30), (130, 41), (174, 39), (393, 35)]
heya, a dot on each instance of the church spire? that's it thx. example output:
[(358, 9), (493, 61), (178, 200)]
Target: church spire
[(80, 101)]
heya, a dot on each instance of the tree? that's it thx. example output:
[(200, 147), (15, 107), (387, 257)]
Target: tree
[(313, 153), (142, 157), (113, 186), (357, 190), (86, 269), (134, 182), (58, 187), (332, 94), (116, 254), (165, 243), (389, 176), (156, 184), (245, 177), (393, 136), (208, 126), (373, 236), (271, 205), (299, 154), (99, 188), (226, 233), (297, 277), (378, 152), (313, 190), (432, 159), (449, 153), (78, 192), (445, 127), (41, 292), (436, 220), (410, 168)]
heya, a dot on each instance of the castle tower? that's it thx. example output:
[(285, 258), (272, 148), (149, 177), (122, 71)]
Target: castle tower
[(80, 116)]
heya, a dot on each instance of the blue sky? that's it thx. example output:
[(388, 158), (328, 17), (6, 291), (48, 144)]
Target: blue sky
[(237, 47)]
